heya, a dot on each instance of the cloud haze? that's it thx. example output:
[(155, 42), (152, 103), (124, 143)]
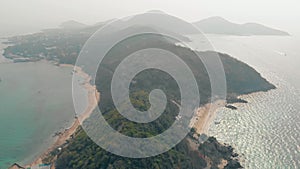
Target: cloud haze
[(31, 15)]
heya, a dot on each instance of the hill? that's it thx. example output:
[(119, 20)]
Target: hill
[(84, 153), (218, 25), (72, 25)]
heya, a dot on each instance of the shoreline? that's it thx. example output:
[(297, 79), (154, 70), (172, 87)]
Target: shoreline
[(93, 98), (205, 115), (3, 46)]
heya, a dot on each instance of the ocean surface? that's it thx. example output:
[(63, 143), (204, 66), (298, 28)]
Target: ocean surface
[(265, 131), (35, 102)]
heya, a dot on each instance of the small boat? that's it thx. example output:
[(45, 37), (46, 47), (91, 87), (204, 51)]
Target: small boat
[(281, 53), (231, 107), (217, 122)]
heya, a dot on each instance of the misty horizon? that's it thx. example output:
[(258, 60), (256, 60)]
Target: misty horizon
[(31, 16), (30, 30)]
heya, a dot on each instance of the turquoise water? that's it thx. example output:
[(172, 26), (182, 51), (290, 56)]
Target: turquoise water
[(265, 131), (35, 102)]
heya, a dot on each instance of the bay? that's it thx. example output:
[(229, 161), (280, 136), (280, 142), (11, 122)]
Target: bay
[(35, 102)]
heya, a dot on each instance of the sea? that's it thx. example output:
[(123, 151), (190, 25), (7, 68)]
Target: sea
[(266, 130), (35, 103)]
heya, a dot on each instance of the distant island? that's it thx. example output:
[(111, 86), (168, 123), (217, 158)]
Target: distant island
[(218, 25), (71, 24)]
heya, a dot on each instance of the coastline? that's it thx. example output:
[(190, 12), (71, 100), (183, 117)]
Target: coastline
[(62, 137), (3, 59), (203, 118), (205, 115)]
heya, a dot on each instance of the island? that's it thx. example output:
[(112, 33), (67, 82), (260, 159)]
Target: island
[(62, 46), (218, 25)]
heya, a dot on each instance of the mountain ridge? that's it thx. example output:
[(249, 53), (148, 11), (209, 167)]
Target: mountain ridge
[(219, 25), (72, 24), (211, 25)]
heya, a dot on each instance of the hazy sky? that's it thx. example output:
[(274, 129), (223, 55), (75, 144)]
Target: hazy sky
[(31, 15)]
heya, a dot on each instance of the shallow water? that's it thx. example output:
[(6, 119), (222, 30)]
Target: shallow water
[(35, 102)]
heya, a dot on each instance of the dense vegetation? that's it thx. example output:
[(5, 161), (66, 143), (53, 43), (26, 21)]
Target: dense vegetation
[(82, 152), (58, 45)]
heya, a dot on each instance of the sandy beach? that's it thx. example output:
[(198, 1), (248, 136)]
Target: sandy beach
[(205, 115), (62, 137)]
